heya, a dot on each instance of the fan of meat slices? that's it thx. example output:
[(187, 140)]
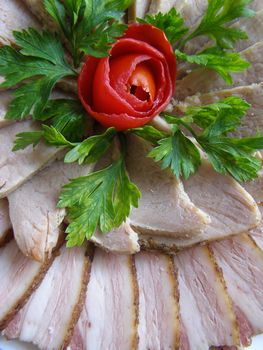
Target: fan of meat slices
[(197, 282)]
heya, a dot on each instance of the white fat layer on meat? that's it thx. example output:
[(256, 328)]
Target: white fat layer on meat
[(5, 224), (205, 307), (255, 188), (241, 261), (46, 318), (14, 16), (17, 275), (159, 326), (18, 167), (120, 240), (202, 80), (165, 209), (36, 221), (253, 94), (5, 97), (108, 319)]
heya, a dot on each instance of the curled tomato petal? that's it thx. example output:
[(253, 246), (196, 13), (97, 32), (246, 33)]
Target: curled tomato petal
[(142, 80)]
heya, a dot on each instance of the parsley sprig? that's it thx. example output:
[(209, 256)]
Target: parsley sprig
[(215, 25)]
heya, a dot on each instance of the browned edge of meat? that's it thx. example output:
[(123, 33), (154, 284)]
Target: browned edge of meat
[(135, 340), (174, 281), (228, 300), (35, 283), (81, 300), (8, 235)]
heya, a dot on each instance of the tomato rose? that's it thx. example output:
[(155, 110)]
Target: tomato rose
[(132, 85)]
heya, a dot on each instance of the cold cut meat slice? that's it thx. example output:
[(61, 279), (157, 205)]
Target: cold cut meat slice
[(109, 318), (159, 326), (5, 97), (5, 224), (49, 316)]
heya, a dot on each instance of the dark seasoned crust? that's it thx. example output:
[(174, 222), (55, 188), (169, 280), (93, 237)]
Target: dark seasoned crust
[(82, 295), (135, 325)]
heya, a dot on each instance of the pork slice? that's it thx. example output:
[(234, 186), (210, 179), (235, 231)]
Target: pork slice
[(164, 209), (191, 10), (17, 167), (255, 188), (256, 5), (109, 318), (257, 233), (5, 97), (205, 307), (49, 316), (14, 16), (19, 277), (36, 222), (5, 224), (202, 80), (122, 240), (241, 261), (159, 326), (138, 9)]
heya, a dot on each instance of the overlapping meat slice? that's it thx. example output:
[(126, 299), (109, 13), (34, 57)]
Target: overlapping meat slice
[(14, 16), (49, 316), (253, 94), (19, 277), (36, 222), (109, 318), (241, 261), (5, 224), (164, 210), (159, 325), (202, 80), (206, 311), (17, 167)]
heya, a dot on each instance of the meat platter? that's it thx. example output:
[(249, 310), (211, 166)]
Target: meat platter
[(131, 180)]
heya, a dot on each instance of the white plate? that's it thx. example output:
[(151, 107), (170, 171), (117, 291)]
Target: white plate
[(12, 345)]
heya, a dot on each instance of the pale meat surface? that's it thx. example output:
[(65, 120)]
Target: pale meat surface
[(206, 310), (202, 80), (253, 94), (5, 224), (14, 16), (138, 9), (5, 97), (18, 167), (165, 209), (109, 316), (122, 239), (18, 276), (257, 233), (241, 261), (48, 316), (159, 326), (33, 209)]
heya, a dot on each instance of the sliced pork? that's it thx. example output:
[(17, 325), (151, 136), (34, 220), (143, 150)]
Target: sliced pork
[(5, 97), (36, 222), (14, 16), (159, 326), (138, 9), (257, 233), (17, 167), (203, 80), (206, 310), (160, 188), (49, 316), (5, 224), (120, 240), (253, 94), (19, 277), (109, 318), (241, 261)]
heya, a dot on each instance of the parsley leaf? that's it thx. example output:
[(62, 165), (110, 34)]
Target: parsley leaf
[(218, 60), (54, 138), (149, 133), (24, 139), (90, 26), (171, 23), (41, 59), (218, 14), (91, 149), (178, 153), (101, 199)]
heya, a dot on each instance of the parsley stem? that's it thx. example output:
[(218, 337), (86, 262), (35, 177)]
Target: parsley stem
[(188, 127)]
